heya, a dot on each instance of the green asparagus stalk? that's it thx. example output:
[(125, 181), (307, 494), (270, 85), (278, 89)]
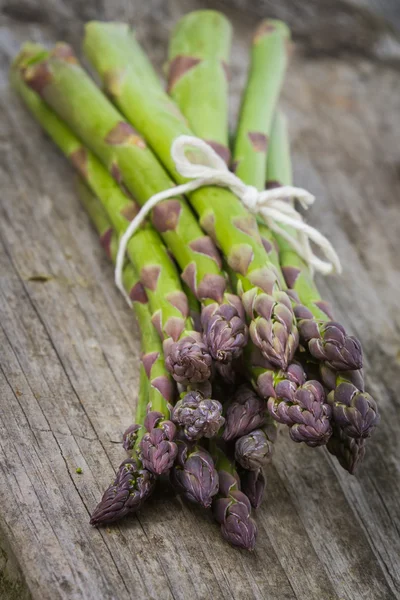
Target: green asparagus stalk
[(353, 410), (116, 56), (199, 53), (152, 357), (326, 339), (194, 307), (158, 450), (186, 355), (267, 70), (142, 405)]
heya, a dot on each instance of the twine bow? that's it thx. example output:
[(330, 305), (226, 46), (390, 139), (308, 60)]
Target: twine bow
[(205, 167)]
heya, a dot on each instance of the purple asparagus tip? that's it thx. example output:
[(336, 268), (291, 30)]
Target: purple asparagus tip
[(273, 327), (131, 487), (194, 474), (246, 412), (232, 509), (330, 343), (224, 330), (158, 450), (304, 411), (253, 485), (348, 450), (354, 411), (254, 450), (188, 360), (198, 416)]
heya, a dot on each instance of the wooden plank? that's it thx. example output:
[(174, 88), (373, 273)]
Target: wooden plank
[(69, 351)]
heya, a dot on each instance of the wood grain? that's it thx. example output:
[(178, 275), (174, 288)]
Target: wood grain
[(69, 351)]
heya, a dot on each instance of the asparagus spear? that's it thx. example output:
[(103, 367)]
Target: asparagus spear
[(326, 339), (116, 56), (131, 488), (267, 70), (133, 483), (186, 356), (199, 53), (355, 413), (232, 508), (158, 450)]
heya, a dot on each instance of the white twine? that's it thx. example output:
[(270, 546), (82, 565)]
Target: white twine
[(272, 205)]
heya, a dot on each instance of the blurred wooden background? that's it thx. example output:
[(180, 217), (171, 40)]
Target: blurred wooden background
[(69, 352)]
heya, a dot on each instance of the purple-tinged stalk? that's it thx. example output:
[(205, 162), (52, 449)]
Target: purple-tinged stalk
[(111, 48), (339, 356), (194, 474), (257, 136), (269, 49), (231, 507), (269, 58), (194, 61), (64, 86), (157, 446)]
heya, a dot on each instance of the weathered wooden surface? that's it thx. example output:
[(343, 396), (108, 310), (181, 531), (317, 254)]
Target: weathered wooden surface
[(69, 352)]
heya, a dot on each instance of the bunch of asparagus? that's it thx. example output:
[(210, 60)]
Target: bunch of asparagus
[(235, 336)]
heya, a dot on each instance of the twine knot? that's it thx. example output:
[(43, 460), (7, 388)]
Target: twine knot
[(250, 198)]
